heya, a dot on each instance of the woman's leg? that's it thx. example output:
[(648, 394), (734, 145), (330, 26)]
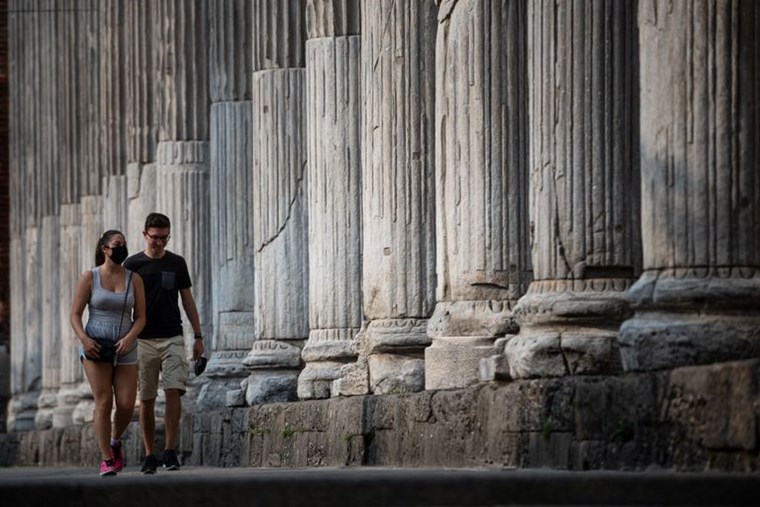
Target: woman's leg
[(100, 375), (125, 389)]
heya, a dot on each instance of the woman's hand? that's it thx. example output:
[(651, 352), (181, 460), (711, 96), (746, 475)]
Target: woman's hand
[(125, 345), (91, 348)]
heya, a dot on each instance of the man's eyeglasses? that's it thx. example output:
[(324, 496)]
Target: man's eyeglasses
[(156, 237)]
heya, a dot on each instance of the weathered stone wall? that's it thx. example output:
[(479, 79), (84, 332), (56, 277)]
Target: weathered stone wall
[(694, 418)]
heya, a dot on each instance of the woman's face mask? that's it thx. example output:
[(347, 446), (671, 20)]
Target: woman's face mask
[(119, 253)]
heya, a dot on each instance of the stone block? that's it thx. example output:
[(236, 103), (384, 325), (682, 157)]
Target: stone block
[(395, 374), (454, 362), (716, 406)]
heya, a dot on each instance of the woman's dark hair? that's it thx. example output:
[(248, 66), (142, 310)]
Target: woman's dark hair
[(158, 221), (100, 256)]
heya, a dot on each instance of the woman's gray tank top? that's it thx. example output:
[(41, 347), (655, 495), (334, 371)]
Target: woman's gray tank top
[(106, 308)]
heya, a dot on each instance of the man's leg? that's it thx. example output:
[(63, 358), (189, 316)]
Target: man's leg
[(148, 424), (149, 360), (172, 416)]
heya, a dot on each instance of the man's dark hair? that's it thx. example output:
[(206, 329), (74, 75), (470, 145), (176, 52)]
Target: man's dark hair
[(158, 221)]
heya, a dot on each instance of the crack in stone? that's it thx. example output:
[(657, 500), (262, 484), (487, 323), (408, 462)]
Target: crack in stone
[(564, 357), (557, 236), (290, 210)]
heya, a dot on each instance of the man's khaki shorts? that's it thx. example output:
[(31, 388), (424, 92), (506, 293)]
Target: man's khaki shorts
[(164, 355)]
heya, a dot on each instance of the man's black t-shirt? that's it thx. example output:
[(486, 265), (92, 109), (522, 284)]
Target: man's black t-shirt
[(163, 279)]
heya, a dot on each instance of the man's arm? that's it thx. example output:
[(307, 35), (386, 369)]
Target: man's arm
[(188, 303)]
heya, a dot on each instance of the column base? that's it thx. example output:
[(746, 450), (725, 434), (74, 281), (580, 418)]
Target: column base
[(316, 380), (396, 373), (46, 403), (68, 397), (395, 350), (569, 327), (22, 411), (664, 340), (692, 316), (463, 334), (224, 373), (454, 361), (271, 386), (540, 354)]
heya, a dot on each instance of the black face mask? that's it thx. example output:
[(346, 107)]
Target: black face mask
[(119, 253)]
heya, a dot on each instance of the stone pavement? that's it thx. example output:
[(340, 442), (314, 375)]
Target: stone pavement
[(368, 486)]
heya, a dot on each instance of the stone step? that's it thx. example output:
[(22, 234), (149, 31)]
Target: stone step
[(369, 486)]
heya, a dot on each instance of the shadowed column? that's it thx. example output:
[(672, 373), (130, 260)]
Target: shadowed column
[(698, 300), (583, 188)]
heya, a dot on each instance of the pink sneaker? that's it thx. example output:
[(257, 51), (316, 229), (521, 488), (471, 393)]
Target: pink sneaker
[(107, 468), (118, 457)]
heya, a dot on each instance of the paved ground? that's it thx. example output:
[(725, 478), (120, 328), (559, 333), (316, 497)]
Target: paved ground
[(370, 486)]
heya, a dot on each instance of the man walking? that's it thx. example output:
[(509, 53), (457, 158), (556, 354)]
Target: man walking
[(161, 345)]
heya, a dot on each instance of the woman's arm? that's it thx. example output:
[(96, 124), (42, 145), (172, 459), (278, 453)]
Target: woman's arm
[(138, 323), (81, 298)]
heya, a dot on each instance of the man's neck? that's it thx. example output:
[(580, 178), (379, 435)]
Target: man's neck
[(148, 253)]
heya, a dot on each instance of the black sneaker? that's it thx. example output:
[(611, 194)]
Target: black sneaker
[(170, 460), (149, 465)]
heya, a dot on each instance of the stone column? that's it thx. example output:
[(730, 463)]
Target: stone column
[(280, 226), (33, 195), (182, 157), (141, 115), (69, 265), (91, 228), (584, 188), (398, 193), (231, 200), (482, 185), (697, 301), (333, 138), (52, 345), (112, 117)]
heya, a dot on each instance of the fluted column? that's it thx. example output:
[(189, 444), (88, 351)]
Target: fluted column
[(182, 158), (34, 200), (142, 24), (90, 230), (112, 114), (50, 329), (481, 182), (280, 229), (231, 199), (69, 266), (398, 196), (333, 138), (584, 188), (698, 299)]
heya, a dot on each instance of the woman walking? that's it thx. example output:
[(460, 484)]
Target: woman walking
[(115, 299)]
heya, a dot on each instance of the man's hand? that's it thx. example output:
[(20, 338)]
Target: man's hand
[(197, 349)]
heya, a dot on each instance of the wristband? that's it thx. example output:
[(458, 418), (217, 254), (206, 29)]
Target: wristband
[(198, 336)]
